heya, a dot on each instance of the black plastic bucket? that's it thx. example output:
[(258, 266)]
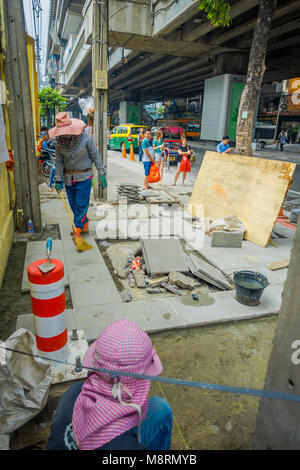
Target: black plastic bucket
[(249, 286)]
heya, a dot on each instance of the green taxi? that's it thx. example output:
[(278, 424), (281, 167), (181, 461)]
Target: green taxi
[(124, 133)]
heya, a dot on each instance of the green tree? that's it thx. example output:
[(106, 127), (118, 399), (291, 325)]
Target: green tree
[(218, 13), (49, 100)]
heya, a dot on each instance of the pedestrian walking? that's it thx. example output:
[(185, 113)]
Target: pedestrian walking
[(224, 146), (141, 137), (159, 151), (114, 412), (76, 152), (148, 156), (283, 137), (184, 150)]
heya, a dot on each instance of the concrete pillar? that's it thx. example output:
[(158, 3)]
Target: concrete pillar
[(278, 421), (130, 112), (220, 106), (130, 107), (235, 63), (128, 95)]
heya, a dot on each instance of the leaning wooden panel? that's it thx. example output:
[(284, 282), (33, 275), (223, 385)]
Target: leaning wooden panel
[(251, 188)]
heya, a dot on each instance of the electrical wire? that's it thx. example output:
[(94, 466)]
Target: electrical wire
[(186, 383), (37, 21)]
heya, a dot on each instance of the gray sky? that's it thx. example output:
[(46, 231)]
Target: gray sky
[(44, 25)]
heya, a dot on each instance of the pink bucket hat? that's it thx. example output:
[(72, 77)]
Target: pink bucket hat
[(66, 126), (109, 406)]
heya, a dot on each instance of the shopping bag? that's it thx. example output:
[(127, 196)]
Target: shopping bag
[(185, 164), (154, 175)]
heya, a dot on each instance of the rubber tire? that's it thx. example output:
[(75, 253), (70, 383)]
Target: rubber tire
[(45, 169)]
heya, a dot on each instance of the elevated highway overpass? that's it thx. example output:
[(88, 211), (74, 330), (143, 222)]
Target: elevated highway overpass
[(166, 49)]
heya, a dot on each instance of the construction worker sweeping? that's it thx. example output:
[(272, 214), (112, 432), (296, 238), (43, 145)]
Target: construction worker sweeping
[(76, 152)]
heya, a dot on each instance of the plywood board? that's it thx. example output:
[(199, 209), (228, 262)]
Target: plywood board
[(251, 188), (279, 265)]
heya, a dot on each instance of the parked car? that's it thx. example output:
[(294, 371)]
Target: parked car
[(172, 138), (124, 133)]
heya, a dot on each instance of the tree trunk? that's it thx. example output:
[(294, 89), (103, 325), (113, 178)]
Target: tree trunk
[(255, 74)]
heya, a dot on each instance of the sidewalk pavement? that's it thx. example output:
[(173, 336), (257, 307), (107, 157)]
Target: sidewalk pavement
[(97, 302)]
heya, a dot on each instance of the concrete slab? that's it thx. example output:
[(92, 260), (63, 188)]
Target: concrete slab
[(53, 211), (68, 244), (37, 247), (154, 227), (27, 321), (94, 318), (209, 271), (65, 229), (94, 293), (75, 257), (235, 259), (225, 239), (222, 307), (163, 256), (155, 315), (123, 211), (89, 272)]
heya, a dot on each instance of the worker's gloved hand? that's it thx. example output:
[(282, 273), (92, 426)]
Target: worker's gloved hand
[(58, 186), (103, 181)]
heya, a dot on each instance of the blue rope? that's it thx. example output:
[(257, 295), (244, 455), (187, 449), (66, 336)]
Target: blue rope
[(186, 383), (207, 386)]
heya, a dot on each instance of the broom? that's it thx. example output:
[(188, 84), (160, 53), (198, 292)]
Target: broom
[(80, 243)]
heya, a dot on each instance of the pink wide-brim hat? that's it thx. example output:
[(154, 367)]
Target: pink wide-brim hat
[(66, 126), (124, 346)]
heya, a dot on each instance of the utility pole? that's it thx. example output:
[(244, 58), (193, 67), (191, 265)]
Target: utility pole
[(20, 115), (277, 426), (100, 86)]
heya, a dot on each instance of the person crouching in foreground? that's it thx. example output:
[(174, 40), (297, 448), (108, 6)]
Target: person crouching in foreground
[(114, 413)]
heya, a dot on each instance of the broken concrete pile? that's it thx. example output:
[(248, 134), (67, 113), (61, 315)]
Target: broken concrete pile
[(158, 266)]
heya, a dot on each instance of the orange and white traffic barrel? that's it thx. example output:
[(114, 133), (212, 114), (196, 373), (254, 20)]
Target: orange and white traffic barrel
[(49, 309)]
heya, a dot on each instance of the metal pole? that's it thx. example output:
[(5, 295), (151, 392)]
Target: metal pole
[(104, 8), (96, 94), (99, 62)]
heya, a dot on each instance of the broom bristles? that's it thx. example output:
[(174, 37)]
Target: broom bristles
[(81, 244)]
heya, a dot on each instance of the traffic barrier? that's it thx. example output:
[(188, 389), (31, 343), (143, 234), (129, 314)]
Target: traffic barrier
[(49, 309), (124, 151), (131, 153)]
